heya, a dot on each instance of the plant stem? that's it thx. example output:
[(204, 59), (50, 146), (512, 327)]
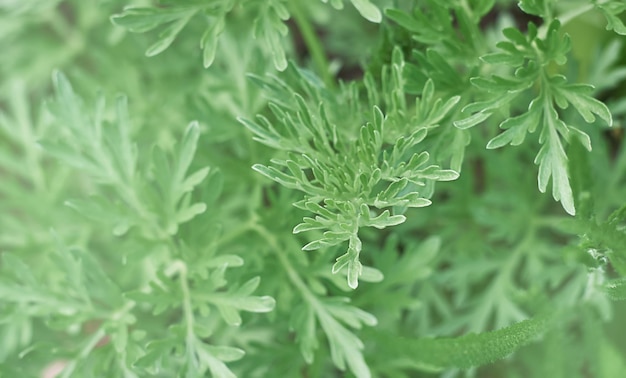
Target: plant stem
[(312, 42), (180, 267), (289, 269)]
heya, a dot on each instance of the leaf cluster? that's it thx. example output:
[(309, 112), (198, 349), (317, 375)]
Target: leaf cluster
[(355, 177)]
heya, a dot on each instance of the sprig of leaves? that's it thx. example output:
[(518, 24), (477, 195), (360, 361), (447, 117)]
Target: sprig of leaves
[(268, 26), (181, 278), (611, 10), (173, 18), (530, 57), (345, 347), (346, 177)]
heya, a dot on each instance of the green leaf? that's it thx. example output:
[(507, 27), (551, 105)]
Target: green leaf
[(144, 19), (414, 200), (581, 136), (351, 260), (403, 19), (269, 29), (239, 299), (187, 148), (384, 220), (188, 213), (226, 354), (268, 137), (276, 175), (534, 7), (472, 120), (587, 106), (503, 58), (433, 172), (168, 35), (303, 321), (370, 274), (368, 10), (228, 260), (516, 128), (552, 163), (611, 10), (515, 36), (345, 347), (308, 225), (210, 40), (258, 304), (230, 315), (393, 189), (194, 179)]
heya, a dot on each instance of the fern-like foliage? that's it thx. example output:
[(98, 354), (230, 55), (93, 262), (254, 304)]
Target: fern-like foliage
[(529, 57), (178, 281), (162, 233), (269, 27), (352, 179)]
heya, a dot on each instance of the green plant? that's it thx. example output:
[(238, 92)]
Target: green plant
[(295, 188)]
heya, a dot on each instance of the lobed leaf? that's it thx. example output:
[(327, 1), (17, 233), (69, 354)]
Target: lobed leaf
[(552, 163), (368, 10), (611, 10), (587, 106), (472, 120), (516, 128)]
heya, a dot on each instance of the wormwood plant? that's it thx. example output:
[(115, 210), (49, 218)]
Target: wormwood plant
[(293, 188)]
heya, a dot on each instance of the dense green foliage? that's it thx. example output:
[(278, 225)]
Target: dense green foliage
[(292, 188)]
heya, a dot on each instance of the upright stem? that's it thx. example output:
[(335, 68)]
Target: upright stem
[(180, 267), (312, 42), (289, 269)]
